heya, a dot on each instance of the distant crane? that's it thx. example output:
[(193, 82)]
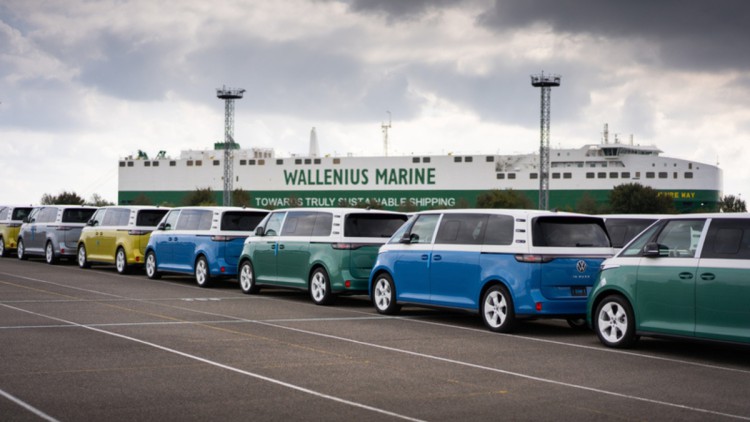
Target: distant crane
[(545, 82), (228, 95), (385, 128)]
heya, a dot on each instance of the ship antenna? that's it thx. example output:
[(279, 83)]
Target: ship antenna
[(228, 95), (385, 128), (606, 133)]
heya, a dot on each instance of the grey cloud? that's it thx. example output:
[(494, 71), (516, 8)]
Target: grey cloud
[(692, 34), (399, 10)]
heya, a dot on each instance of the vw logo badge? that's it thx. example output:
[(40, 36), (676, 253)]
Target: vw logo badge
[(581, 266)]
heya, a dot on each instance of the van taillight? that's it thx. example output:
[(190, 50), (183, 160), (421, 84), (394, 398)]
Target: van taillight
[(138, 232), (533, 258), (349, 246), (221, 238)]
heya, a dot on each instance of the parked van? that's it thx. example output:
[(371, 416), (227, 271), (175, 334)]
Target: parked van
[(503, 264), (685, 276), (203, 241), (325, 251), (52, 231), (11, 218), (118, 235)]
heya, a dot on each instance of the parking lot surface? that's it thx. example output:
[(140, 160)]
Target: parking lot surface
[(94, 345)]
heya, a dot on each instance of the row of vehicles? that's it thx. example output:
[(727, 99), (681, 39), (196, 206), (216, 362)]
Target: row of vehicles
[(679, 276)]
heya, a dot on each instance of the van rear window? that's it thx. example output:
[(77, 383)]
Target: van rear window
[(563, 231), (244, 221), (622, 230), (372, 225), (20, 213), (77, 215), (149, 218)]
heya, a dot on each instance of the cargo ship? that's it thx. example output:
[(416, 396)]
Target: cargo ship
[(417, 182)]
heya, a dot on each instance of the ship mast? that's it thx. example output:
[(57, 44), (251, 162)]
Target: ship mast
[(545, 82), (228, 95)]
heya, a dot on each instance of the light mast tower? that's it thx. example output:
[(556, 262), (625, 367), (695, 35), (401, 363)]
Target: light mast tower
[(546, 82), (385, 128), (228, 95)]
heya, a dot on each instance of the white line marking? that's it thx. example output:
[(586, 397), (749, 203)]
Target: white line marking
[(227, 367), (516, 374), (28, 407)]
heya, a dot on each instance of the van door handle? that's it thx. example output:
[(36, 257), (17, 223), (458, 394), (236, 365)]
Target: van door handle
[(437, 257), (686, 276), (281, 246), (424, 257), (708, 276)]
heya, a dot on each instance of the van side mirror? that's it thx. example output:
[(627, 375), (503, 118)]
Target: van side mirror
[(655, 250), (161, 226), (91, 223), (259, 231), (408, 238)]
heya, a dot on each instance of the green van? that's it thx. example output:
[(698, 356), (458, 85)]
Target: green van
[(685, 276), (325, 251)]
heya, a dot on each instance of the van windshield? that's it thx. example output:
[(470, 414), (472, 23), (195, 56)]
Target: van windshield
[(570, 231), (372, 225)]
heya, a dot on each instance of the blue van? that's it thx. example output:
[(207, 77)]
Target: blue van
[(505, 265), (203, 241)]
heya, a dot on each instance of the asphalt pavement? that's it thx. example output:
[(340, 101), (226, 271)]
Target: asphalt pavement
[(85, 345)]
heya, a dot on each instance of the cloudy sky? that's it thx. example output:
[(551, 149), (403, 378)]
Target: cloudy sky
[(85, 82)]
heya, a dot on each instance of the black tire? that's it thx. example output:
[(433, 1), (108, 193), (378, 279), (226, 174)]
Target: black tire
[(246, 278), (3, 251), (320, 287), (151, 271), (49, 253), (121, 261), (21, 250), (202, 272), (384, 295), (82, 258), (497, 310), (614, 322)]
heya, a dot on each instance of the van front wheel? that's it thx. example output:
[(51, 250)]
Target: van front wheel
[(497, 310), (320, 287)]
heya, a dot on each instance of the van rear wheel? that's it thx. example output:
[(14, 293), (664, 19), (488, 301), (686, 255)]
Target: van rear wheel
[(320, 287), (49, 254), (202, 274), (497, 310), (121, 261), (3, 251), (21, 250)]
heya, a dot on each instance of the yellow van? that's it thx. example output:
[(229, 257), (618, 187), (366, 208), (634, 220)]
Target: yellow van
[(11, 219), (118, 235)]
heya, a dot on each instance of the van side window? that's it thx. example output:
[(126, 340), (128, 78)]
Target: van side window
[(116, 217), (323, 224), (97, 218), (273, 226), (424, 228), (680, 237), (499, 230), (462, 229), (299, 224), (171, 221), (727, 239), (195, 220)]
